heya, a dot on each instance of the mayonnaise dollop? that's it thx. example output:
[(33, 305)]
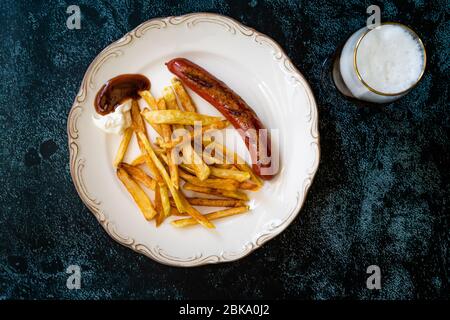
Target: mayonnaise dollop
[(115, 122)]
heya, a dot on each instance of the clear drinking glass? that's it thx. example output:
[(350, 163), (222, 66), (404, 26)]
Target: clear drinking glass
[(346, 73)]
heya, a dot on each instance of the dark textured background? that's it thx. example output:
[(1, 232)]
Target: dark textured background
[(381, 195)]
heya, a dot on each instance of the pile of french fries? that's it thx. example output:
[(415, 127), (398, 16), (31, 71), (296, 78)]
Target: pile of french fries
[(156, 169)]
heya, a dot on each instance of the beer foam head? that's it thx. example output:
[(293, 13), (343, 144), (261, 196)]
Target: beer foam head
[(390, 59)]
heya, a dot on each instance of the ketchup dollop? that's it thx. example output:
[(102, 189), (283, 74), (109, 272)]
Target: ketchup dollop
[(118, 89)]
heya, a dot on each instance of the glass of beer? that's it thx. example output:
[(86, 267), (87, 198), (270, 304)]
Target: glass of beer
[(381, 64)]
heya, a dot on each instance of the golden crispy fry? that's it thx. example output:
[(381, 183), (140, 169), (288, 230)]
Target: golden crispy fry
[(201, 169), (123, 146), (139, 127), (139, 175), (163, 157), (139, 160), (143, 138), (171, 103), (137, 121), (147, 96), (225, 166), (175, 212), (184, 97), (211, 216), (165, 200), (165, 128), (158, 205), (217, 125), (157, 128), (225, 184), (158, 150), (211, 160), (197, 216), (139, 196), (188, 167), (168, 145), (152, 167), (169, 97), (206, 129), (192, 134), (167, 135), (177, 117), (251, 186), (173, 169), (236, 159), (237, 175), (217, 192), (203, 202), (253, 177)]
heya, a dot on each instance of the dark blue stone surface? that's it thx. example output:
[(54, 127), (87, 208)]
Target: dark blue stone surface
[(381, 195)]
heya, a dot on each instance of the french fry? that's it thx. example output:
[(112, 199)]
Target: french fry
[(143, 138), (157, 128), (169, 97), (216, 192), (222, 124), (175, 212), (253, 177), (137, 121), (139, 160), (158, 205), (139, 175), (196, 164), (237, 160), (211, 216), (167, 135), (140, 197), (147, 96), (183, 96), (165, 200), (246, 185), (173, 169), (151, 102), (165, 128), (225, 184), (177, 117), (188, 167), (162, 156), (158, 150), (152, 167), (211, 159), (191, 168), (168, 145), (128, 133), (197, 216), (237, 175), (203, 202), (192, 134), (139, 127), (171, 103), (201, 169), (225, 166)]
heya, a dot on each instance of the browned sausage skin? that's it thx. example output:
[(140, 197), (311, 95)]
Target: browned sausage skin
[(229, 103)]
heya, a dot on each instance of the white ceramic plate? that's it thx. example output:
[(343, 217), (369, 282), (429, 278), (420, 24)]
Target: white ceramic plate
[(256, 68)]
